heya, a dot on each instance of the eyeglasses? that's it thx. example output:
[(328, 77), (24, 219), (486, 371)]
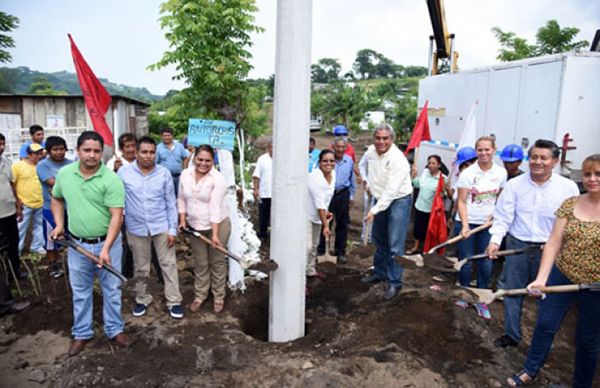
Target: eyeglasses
[(328, 161)]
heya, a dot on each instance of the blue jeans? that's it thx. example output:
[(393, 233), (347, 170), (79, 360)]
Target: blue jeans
[(473, 245), (37, 242), (552, 310), (518, 272), (389, 232), (81, 276)]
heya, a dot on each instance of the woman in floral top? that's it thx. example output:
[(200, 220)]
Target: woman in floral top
[(571, 256)]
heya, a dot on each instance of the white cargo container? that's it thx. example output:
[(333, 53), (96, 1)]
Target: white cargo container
[(545, 97)]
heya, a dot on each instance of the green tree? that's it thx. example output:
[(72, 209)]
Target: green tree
[(550, 39), (326, 70), (365, 63), (7, 24), (341, 103), (42, 86), (209, 43)]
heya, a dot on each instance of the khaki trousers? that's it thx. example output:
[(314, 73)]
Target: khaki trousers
[(313, 232), (140, 247), (210, 265)]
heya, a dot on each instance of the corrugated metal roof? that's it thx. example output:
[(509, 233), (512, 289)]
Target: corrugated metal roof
[(113, 96)]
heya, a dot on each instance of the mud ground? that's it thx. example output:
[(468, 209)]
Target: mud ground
[(353, 338)]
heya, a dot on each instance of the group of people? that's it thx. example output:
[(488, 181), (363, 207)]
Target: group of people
[(91, 204), (160, 190), (539, 210)]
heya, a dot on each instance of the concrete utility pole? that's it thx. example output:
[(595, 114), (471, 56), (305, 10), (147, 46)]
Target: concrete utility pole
[(290, 169)]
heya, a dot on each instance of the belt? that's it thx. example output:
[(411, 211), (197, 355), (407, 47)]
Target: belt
[(526, 242), (175, 175), (341, 190), (93, 240)]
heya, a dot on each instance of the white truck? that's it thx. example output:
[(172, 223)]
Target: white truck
[(555, 97)]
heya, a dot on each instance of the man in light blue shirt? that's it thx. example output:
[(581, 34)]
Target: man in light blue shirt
[(313, 154), (37, 136), (172, 155), (56, 147), (151, 218), (343, 196)]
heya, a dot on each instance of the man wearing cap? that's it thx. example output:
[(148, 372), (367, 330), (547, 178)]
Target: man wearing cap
[(96, 198), (29, 192), (512, 156), (37, 137), (524, 214), (172, 155), (56, 147)]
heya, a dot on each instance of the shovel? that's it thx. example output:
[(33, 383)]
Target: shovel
[(487, 296), (70, 242), (460, 237), (267, 266), (327, 257), (457, 265)]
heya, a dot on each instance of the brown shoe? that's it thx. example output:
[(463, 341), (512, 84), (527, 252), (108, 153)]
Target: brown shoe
[(121, 340), (218, 306), (18, 307), (77, 346), (195, 306)]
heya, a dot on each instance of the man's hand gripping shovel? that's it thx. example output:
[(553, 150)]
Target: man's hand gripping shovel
[(70, 242)]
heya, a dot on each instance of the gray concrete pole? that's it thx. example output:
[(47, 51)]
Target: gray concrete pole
[(290, 169)]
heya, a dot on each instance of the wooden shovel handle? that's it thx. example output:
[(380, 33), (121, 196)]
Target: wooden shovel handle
[(269, 265), (71, 243), (547, 290), (460, 237)]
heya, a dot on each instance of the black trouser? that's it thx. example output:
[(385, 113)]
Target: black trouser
[(6, 299), (264, 216), (340, 207), (9, 241)]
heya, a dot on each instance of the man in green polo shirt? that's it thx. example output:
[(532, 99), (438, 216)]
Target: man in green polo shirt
[(95, 198)]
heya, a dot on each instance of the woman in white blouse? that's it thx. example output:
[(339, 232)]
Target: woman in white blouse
[(321, 186)]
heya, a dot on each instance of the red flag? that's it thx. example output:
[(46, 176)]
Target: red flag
[(421, 130), (97, 100), (437, 232)]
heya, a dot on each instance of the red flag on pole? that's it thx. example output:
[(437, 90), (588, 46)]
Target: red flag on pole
[(421, 130), (97, 100), (436, 230)]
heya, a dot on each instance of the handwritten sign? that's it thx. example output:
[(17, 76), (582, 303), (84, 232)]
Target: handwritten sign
[(216, 133)]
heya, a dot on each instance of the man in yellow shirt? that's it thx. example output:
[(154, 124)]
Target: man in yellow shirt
[(29, 195)]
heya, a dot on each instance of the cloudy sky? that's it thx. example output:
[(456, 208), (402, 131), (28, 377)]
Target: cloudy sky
[(120, 38)]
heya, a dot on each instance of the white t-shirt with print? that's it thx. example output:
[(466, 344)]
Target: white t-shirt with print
[(483, 190)]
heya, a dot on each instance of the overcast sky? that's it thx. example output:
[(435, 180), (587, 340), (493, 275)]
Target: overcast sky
[(120, 38)]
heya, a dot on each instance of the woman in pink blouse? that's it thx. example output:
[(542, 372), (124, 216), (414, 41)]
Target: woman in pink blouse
[(202, 206)]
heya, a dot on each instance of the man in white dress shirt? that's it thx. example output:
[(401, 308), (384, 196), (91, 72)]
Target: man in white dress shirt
[(261, 179), (525, 211), (390, 184)]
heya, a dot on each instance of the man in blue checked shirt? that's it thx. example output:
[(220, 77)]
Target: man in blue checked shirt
[(172, 155), (151, 218), (342, 199)]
